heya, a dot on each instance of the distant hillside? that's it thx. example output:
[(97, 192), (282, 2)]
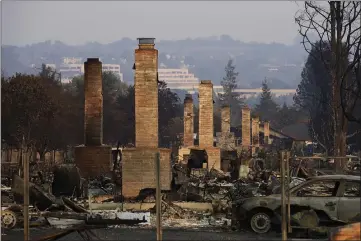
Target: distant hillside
[(205, 57)]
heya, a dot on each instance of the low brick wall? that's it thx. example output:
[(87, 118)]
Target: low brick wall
[(138, 170), (214, 157), (93, 161), (182, 153)]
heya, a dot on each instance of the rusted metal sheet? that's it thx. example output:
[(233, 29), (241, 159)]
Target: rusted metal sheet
[(348, 232)]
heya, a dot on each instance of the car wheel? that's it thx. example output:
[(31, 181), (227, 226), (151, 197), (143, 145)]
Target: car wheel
[(8, 219), (260, 222)]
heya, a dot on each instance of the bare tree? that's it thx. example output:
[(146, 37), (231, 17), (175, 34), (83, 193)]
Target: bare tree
[(336, 25)]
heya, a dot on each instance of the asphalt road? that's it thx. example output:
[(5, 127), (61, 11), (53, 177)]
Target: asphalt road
[(146, 234)]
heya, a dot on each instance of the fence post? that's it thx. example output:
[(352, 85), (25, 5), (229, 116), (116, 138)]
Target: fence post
[(289, 229), (158, 198), (283, 197), (26, 192)]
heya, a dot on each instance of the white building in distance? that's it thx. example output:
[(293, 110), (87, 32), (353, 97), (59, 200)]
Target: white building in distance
[(177, 77), (72, 67)]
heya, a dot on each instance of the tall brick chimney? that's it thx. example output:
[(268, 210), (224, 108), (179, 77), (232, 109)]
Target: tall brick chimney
[(206, 114), (146, 94), (94, 158), (225, 119), (93, 111), (266, 132), (246, 128), (255, 131), (188, 121)]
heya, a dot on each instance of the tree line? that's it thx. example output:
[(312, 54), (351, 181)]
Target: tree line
[(40, 112), (267, 109)]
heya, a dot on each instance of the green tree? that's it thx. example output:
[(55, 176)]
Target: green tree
[(35, 108), (229, 97), (126, 110), (169, 108), (288, 115), (229, 82), (337, 24), (267, 107), (314, 97)]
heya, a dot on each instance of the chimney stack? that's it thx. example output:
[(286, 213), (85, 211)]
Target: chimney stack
[(146, 43), (206, 114), (255, 131), (246, 128), (226, 119), (93, 112), (188, 121), (266, 132), (146, 94), (93, 159)]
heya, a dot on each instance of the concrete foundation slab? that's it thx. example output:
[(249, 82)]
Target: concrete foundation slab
[(93, 160)]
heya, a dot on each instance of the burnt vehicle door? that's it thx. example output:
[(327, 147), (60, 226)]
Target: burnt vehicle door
[(349, 202), (319, 195)]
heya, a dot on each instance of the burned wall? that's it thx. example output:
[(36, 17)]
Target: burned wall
[(138, 170)]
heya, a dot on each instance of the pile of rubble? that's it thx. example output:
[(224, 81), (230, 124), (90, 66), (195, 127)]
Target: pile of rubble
[(217, 189)]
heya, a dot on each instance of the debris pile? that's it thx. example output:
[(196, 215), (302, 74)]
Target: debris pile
[(218, 191)]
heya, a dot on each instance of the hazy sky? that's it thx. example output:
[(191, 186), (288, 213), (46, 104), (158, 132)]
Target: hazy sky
[(26, 22)]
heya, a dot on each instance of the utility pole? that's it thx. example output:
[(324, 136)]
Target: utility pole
[(289, 229), (158, 198), (283, 196), (26, 192)]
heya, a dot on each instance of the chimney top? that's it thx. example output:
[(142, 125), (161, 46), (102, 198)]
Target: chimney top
[(206, 81), (188, 98), (245, 107), (142, 41), (92, 60)]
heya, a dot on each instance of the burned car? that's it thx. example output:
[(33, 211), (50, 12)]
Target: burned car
[(335, 200)]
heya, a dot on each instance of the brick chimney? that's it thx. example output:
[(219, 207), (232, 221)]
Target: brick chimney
[(266, 132), (225, 119), (146, 94), (206, 114), (93, 111), (246, 128), (94, 158), (255, 131), (188, 121)]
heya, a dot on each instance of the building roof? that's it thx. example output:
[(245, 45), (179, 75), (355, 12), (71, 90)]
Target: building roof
[(298, 132)]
